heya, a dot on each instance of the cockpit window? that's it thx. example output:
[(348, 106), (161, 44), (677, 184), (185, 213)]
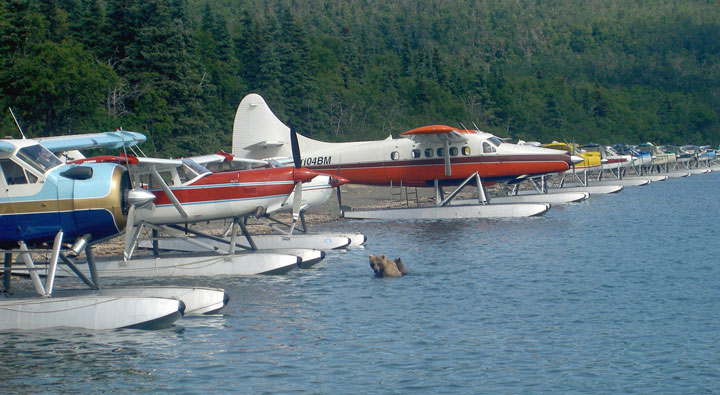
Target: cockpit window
[(39, 157), (487, 148), (496, 141)]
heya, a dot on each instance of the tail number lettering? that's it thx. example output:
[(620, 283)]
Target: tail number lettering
[(317, 161)]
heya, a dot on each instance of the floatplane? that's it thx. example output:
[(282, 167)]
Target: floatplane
[(432, 156), (663, 161), (582, 173), (295, 234), (51, 213), (188, 193)]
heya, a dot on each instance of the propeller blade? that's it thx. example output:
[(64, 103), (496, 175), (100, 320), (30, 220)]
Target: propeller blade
[(295, 146), (129, 233), (297, 205), (339, 198), (297, 200)]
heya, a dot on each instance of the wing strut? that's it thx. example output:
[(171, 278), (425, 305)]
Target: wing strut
[(169, 193), (482, 197), (446, 150)]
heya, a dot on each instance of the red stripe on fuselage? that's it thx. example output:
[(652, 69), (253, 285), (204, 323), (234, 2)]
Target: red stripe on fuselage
[(422, 172), (230, 185)]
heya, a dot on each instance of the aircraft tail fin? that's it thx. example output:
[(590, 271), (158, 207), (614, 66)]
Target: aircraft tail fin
[(257, 132)]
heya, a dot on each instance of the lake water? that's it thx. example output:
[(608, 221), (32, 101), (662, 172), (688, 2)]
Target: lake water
[(619, 293)]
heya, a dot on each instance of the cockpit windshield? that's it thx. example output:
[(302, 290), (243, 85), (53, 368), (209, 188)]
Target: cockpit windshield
[(495, 141), (39, 157), (191, 170)]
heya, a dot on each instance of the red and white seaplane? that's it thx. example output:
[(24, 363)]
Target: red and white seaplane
[(186, 192), (431, 156)]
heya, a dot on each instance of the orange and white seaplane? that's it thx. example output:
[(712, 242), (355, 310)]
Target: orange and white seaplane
[(431, 156)]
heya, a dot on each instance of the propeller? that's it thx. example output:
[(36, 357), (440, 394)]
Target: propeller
[(135, 198), (297, 190)]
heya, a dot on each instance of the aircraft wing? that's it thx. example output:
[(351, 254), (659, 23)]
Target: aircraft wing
[(435, 133), (111, 140), (238, 163), (133, 160)]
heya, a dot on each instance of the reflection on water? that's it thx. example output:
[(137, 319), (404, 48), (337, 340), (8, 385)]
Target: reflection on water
[(618, 293), (64, 359)]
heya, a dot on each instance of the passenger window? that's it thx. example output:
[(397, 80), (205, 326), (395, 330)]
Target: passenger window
[(441, 152), (453, 151), (415, 153), (166, 176), (466, 150), (428, 152), (14, 174), (394, 155)]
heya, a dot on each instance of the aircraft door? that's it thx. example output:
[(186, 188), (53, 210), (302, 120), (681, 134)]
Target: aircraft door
[(4, 203), (66, 203), (391, 157), (24, 193)]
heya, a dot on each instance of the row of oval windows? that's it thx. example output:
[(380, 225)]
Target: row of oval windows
[(430, 152)]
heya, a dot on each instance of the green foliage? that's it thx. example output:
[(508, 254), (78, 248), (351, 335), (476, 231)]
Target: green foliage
[(612, 71)]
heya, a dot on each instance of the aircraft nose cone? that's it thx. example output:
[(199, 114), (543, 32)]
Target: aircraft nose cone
[(139, 197), (304, 175), (336, 181), (576, 159)]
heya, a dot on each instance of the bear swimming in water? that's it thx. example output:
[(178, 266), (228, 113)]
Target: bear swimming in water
[(384, 267)]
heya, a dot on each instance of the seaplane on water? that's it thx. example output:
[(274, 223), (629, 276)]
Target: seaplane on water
[(186, 192), (313, 194), (431, 156), (45, 204), (617, 165)]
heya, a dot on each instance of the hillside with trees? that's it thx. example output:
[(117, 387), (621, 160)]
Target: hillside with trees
[(603, 71)]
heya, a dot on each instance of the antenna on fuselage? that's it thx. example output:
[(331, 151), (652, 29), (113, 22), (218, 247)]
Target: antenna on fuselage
[(16, 123)]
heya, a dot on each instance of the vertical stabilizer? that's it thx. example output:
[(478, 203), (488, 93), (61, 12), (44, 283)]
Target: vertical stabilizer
[(257, 132)]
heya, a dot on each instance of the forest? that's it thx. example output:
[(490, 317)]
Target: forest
[(605, 71)]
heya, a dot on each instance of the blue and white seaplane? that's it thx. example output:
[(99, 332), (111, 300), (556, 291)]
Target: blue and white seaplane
[(431, 156), (50, 213)]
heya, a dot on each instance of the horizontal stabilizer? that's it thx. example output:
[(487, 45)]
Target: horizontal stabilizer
[(265, 144)]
